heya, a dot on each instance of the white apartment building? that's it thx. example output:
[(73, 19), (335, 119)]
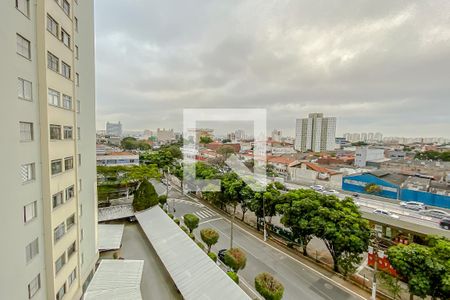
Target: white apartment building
[(315, 133), (47, 124), (365, 154), (165, 135), (114, 129)]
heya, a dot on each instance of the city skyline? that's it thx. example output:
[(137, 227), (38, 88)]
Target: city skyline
[(294, 58)]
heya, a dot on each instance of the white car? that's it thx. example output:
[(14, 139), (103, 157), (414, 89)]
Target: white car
[(385, 213), (434, 213), (413, 205), (318, 188)]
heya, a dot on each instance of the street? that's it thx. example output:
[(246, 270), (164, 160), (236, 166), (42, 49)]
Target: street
[(299, 280)]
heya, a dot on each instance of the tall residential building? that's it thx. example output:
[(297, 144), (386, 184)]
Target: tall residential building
[(48, 178), (165, 136), (315, 133), (114, 129), (276, 135)]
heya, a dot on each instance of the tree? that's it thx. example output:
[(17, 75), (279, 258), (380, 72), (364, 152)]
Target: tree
[(162, 199), (345, 233), (213, 256), (232, 186), (233, 276), (209, 237), (235, 258), (145, 196), (268, 286), (299, 209), (191, 221), (391, 284), (425, 268), (205, 139), (372, 188)]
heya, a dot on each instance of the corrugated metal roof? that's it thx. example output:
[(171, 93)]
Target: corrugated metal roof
[(110, 236), (116, 279), (115, 212), (194, 273)]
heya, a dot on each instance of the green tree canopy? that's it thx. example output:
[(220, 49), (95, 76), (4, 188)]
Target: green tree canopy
[(145, 196), (235, 258), (209, 237), (205, 140), (191, 221), (425, 268), (131, 143), (268, 286), (433, 155)]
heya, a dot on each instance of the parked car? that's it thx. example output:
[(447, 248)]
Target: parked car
[(221, 255), (384, 212), (331, 192), (434, 213), (317, 187), (413, 205), (355, 195), (445, 223)]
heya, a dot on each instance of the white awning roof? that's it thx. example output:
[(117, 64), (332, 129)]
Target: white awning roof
[(110, 236), (116, 279), (115, 212), (194, 273)]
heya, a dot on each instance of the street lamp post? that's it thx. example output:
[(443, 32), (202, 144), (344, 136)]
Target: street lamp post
[(375, 267), (264, 221)]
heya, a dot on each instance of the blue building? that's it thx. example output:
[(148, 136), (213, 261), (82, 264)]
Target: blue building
[(401, 187)]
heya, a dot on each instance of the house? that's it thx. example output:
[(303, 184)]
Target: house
[(312, 173), (117, 159), (280, 164)]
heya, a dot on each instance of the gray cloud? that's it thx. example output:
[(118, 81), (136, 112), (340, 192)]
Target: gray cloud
[(375, 65)]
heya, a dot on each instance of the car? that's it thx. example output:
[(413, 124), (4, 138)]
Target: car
[(384, 212), (355, 195), (445, 223), (434, 213), (221, 254), (413, 205), (331, 192), (317, 187)]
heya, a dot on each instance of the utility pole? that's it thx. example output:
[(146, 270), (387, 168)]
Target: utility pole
[(375, 267), (264, 221), (231, 233)]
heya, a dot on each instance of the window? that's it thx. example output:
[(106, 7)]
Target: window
[(55, 132), (56, 166), (54, 97), (79, 184), (76, 52), (59, 231), (24, 89), (30, 211), (78, 106), (68, 163), (27, 172), (70, 222), (65, 38), (82, 258), (70, 192), (52, 62), (71, 250), (81, 210), (72, 277), (34, 286), (23, 6), (57, 199), (32, 250), (61, 292), (68, 132), (79, 159), (76, 24), (67, 102), (77, 79), (52, 26), (60, 262), (66, 7), (81, 235), (23, 47), (26, 131), (65, 70), (78, 133)]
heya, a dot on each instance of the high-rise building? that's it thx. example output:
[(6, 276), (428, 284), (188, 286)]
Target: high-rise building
[(276, 135), (114, 129), (315, 133), (378, 137), (48, 178), (165, 135)]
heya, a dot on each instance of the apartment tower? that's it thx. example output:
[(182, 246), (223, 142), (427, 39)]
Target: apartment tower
[(48, 178), (315, 133)]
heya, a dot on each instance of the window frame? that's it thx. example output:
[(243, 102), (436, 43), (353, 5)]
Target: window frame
[(61, 227), (21, 89), (59, 201), (66, 70), (52, 60), (31, 172), (54, 28), (27, 42), (31, 250), (67, 99), (68, 163), (65, 37), (52, 127), (35, 281), (26, 218), (29, 132), (53, 94), (27, 13), (55, 161)]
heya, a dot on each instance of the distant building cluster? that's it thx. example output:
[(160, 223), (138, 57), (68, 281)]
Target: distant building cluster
[(315, 133), (364, 137), (114, 129)]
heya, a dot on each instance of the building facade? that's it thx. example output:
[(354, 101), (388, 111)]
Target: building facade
[(114, 129), (315, 133), (165, 136), (48, 177), (365, 154), (117, 159)]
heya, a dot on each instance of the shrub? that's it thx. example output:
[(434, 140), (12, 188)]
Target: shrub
[(233, 276), (201, 245), (191, 221), (213, 256), (192, 236), (177, 221), (184, 228), (170, 216), (165, 210), (209, 237), (145, 196), (162, 199), (269, 287), (235, 258)]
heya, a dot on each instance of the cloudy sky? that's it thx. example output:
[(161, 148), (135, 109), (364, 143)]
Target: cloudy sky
[(375, 65)]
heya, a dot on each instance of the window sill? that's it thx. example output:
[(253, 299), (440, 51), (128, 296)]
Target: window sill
[(27, 16), (27, 58), (28, 181), (25, 99)]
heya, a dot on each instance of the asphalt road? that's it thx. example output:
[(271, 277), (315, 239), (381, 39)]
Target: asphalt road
[(300, 281)]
